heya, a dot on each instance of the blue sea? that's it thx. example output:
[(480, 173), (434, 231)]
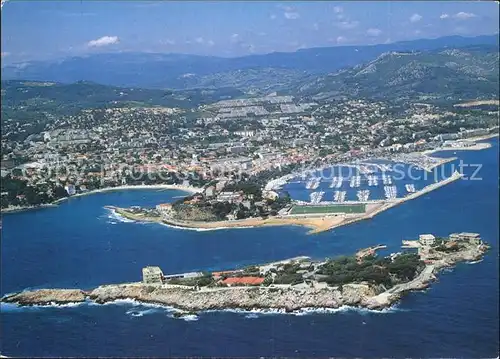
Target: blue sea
[(79, 244)]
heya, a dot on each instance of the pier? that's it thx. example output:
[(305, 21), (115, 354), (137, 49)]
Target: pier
[(390, 192), (339, 196)]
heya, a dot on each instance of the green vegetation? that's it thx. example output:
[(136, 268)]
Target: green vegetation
[(289, 275), (17, 192), (334, 208), (205, 280), (247, 204), (371, 269)]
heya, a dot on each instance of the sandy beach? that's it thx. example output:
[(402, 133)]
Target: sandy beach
[(315, 223), (475, 147), (478, 103)]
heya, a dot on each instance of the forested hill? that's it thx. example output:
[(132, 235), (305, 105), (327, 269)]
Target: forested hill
[(454, 73), (65, 98)]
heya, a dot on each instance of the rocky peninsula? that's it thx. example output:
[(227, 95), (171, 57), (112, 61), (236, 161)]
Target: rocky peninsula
[(318, 218), (363, 280)]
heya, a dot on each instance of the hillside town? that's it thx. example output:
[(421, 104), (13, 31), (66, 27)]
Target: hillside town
[(217, 145)]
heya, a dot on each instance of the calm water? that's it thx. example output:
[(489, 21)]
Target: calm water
[(79, 244)]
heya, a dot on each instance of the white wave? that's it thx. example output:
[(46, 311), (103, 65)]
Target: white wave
[(475, 262), (189, 318), (251, 316), (140, 313), (203, 229), (13, 307), (138, 310), (113, 216), (255, 313)]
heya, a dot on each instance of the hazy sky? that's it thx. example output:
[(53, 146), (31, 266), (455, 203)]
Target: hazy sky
[(34, 30)]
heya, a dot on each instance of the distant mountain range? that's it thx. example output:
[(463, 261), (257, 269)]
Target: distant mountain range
[(255, 73), (466, 72)]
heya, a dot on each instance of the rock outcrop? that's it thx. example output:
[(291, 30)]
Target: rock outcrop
[(289, 299), (46, 296)]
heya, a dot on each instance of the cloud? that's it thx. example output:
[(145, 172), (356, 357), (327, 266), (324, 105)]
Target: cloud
[(464, 15), (272, 17), (340, 40), (289, 12), (315, 26), (234, 38), (458, 16), (169, 42), (199, 40), (338, 9), (291, 15), (373, 32), (210, 43), (5, 53), (347, 25), (415, 18), (103, 41)]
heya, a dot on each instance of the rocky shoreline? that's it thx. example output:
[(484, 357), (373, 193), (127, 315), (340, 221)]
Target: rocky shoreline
[(288, 298), (192, 300)]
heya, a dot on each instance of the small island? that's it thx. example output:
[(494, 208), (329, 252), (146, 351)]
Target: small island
[(362, 280)]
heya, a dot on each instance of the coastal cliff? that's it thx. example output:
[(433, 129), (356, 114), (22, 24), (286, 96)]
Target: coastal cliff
[(46, 297), (359, 281), (190, 299)]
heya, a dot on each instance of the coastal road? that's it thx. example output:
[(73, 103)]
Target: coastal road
[(424, 276)]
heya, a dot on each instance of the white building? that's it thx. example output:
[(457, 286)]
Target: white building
[(426, 239)]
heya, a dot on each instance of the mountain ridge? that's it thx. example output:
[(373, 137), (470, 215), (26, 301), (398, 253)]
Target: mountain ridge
[(154, 70)]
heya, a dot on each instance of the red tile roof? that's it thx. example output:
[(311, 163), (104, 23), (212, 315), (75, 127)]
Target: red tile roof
[(243, 280)]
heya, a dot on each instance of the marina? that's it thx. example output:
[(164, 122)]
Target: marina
[(339, 196), (316, 197), (277, 183), (313, 183), (384, 167), (363, 195), (336, 182), (355, 181), (390, 192), (372, 180), (410, 187), (364, 169), (386, 179)]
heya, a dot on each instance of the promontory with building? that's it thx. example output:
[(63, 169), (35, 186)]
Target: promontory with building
[(362, 280)]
